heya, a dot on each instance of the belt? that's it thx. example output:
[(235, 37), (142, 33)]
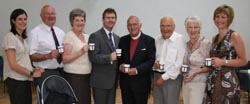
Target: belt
[(158, 72), (53, 69)]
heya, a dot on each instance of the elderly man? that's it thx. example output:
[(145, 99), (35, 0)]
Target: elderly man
[(138, 50), (170, 50), (44, 41)]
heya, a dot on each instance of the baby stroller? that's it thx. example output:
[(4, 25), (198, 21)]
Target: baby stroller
[(55, 90)]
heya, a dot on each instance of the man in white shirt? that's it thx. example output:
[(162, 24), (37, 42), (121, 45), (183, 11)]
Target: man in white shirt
[(43, 47), (170, 50)]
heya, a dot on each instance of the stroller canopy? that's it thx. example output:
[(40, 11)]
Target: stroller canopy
[(56, 90)]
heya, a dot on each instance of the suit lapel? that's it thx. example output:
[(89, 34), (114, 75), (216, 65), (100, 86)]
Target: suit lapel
[(106, 39), (116, 41), (127, 50)]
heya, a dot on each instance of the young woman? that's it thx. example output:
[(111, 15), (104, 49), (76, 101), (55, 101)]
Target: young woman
[(18, 71), (227, 52)]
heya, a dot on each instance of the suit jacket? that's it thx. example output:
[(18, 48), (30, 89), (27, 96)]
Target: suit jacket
[(143, 60), (103, 73)]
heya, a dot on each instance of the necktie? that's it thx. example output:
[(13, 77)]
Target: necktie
[(111, 42), (59, 59)]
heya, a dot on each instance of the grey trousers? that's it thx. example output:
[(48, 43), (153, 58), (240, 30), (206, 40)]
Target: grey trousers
[(104, 96), (169, 92)]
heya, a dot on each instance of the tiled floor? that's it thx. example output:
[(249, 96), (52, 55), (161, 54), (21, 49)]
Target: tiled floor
[(4, 98)]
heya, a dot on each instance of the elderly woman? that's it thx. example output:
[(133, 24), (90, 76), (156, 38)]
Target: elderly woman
[(197, 50), (228, 51), (18, 71), (75, 57)]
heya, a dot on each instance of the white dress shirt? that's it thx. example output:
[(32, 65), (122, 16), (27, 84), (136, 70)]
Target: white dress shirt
[(170, 52), (107, 33), (41, 41)]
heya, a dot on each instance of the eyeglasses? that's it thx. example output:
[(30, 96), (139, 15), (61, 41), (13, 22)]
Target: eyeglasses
[(133, 24), (49, 14), (163, 26)]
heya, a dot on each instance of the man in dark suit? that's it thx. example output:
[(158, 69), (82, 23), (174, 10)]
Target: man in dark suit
[(103, 77), (138, 50)]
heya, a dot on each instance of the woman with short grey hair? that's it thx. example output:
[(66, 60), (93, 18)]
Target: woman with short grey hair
[(76, 12), (197, 51), (75, 57)]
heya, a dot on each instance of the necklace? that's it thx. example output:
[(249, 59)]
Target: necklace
[(191, 44)]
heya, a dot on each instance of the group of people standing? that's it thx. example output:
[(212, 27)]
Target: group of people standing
[(101, 68)]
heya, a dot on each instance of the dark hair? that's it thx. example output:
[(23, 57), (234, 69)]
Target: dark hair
[(227, 10), (13, 17), (108, 10), (76, 12)]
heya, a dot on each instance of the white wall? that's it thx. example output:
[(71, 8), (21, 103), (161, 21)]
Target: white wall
[(149, 11)]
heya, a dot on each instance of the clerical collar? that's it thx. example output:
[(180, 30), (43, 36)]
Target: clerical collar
[(137, 37)]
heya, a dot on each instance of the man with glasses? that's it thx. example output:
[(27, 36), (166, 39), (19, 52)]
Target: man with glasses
[(138, 51), (44, 41)]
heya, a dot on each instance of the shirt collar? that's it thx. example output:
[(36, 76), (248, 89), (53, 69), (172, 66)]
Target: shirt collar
[(173, 37), (138, 36), (107, 32), (47, 27)]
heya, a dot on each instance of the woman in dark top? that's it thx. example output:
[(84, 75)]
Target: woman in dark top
[(227, 52)]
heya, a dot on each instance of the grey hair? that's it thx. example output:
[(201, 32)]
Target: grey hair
[(193, 19), (76, 12), (132, 16), (170, 18)]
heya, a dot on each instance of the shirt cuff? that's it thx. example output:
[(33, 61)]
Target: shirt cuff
[(136, 71), (165, 76)]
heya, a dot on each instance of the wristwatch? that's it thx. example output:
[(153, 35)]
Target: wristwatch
[(226, 61)]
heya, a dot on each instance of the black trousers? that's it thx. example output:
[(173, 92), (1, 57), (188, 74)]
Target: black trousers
[(46, 73), (19, 91), (135, 89)]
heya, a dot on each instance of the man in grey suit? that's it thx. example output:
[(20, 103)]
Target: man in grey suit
[(103, 77)]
